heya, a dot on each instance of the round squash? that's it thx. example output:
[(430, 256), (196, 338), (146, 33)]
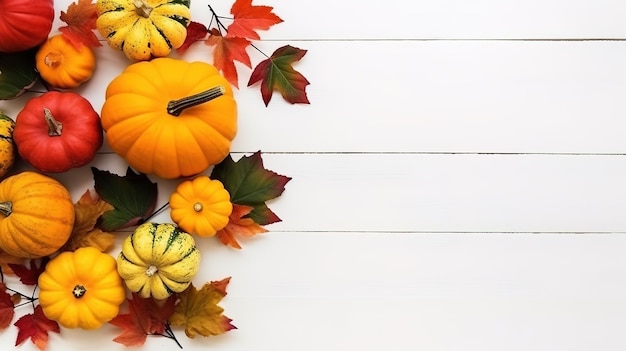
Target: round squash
[(158, 260), (58, 131), (200, 206), (25, 23), (143, 29), (62, 65), (36, 215), (170, 117), (81, 289)]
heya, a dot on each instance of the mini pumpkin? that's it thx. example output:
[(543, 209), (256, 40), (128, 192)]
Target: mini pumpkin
[(201, 206), (62, 65), (157, 260), (143, 29), (170, 117), (58, 131), (81, 289), (36, 215)]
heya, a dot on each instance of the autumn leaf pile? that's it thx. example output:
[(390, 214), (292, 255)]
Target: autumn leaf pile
[(123, 201)]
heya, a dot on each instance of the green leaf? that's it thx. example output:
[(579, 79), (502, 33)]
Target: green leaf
[(277, 73), (251, 184), (17, 73), (133, 197)]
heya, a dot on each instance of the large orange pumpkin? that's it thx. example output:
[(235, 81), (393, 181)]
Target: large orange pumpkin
[(170, 117)]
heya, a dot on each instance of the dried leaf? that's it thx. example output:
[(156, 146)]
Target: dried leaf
[(81, 19), (228, 50), (89, 209), (248, 18), (6, 259), (133, 197), (239, 225), (35, 326), (250, 184), (276, 73), (199, 313), (145, 317), (7, 307), (195, 32), (29, 275)]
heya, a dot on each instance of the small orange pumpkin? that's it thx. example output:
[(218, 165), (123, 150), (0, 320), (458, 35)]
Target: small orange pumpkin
[(201, 206), (36, 215), (62, 65), (170, 117)]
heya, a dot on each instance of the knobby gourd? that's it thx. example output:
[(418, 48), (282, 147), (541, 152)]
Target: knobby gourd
[(157, 260), (36, 215), (200, 206), (143, 29), (81, 289), (170, 117)]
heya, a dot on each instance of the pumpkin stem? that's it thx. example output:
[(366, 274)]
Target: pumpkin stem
[(197, 206), (176, 107), (53, 59), (151, 271), (142, 8), (54, 127), (79, 291), (6, 208)]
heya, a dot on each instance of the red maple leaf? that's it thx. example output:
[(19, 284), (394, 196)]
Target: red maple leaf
[(81, 19), (29, 275), (195, 32), (7, 307), (227, 50), (247, 18), (35, 326), (277, 73), (145, 317)]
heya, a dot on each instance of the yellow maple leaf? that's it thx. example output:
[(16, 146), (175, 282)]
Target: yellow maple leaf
[(88, 209), (198, 312)]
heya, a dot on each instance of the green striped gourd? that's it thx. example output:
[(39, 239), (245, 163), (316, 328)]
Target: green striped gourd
[(143, 29), (157, 260)]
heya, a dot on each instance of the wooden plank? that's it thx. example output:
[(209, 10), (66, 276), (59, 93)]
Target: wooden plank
[(406, 292), (433, 193)]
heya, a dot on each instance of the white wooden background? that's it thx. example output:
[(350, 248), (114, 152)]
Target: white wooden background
[(459, 181)]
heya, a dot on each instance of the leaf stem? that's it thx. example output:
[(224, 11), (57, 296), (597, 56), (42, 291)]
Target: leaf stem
[(158, 210), (169, 333)]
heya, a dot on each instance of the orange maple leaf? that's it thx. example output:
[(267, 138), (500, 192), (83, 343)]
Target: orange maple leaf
[(36, 327), (89, 208), (247, 18), (81, 19), (239, 225), (7, 260), (198, 311), (228, 50)]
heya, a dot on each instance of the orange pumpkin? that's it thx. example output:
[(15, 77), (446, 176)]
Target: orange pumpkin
[(170, 117), (62, 65)]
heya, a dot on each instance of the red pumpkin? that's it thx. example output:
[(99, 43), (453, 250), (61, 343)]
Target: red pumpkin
[(25, 23), (57, 131)]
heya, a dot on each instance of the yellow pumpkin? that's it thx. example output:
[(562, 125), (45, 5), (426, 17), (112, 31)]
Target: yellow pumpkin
[(81, 289), (62, 65), (157, 260), (200, 206), (170, 117), (143, 29), (36, 215)]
